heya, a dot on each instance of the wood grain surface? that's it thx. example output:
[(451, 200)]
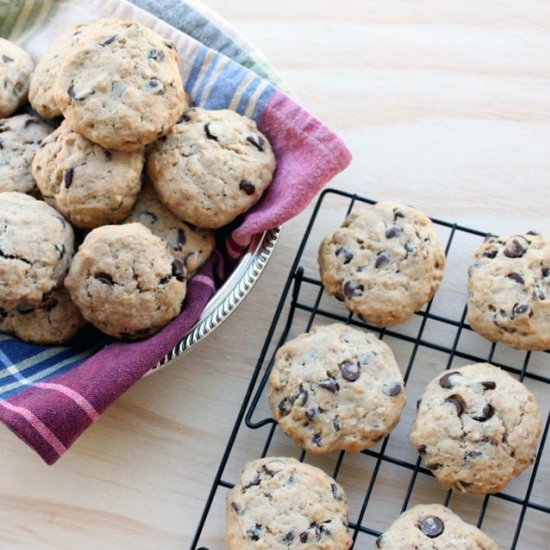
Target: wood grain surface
[(445, 105)]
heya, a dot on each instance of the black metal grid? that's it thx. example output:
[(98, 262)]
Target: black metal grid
[(291, 298)]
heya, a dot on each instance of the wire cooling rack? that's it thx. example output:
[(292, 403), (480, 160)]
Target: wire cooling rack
[(383, 481)]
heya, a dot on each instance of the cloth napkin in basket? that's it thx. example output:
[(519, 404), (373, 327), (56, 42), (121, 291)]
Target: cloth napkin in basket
[(50, 395)]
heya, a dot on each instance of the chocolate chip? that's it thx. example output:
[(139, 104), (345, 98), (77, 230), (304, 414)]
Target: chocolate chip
[(254, 533), (25, 309), (433, 466), (208, 133), (155, 54), (30, 121), (289, 537), (409, 249), (458, 402), (534, 233), (431, 526), (285, 406), (6, 58), (520, 309), (155, 86), (382, 258), (317, 440), (247, 187), (236, 507), (269, 472), (254, 482), (108, 41), (178, 271), (489, 385), (393, 231), (311, 413), (301, 398), (538, 294), (1, 144), (169, 44), (336, 424), (334, 489), (330, 384), (421, 450), (68, 177), (545, 272), (398, 213), (516, 277), (3, 313), (257, 141), (182, 239), (515, 248), (488, 412), (352, 289), (491, 254), (418, 403), (392, 390), (350, 371), (446, 380), (303, 537), (104, 278), (345, 253), (108, 154)]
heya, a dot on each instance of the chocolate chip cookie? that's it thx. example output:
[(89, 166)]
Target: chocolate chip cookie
[(125, 281), (41, 95), (120, 87), (16, 66), (335, 388), (189, 244), (385, 262), (53, 322), (20, 137), (476, 428), (211, 167), (36, 247), (282, 503), (433, 527), (89, 185), (509, 291)]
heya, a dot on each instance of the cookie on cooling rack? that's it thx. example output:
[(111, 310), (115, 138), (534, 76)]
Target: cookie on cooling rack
[(120, 86), (16, 66), (509, 291), (36, 247), (385, 262), (283, 503), (125, 281), (20, 138), (89, 185), (476, 428), (211, 167), (433, 527), (336, 387), (189, 244)]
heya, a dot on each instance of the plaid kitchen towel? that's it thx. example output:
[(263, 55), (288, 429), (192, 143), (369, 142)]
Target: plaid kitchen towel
[(50, 395)]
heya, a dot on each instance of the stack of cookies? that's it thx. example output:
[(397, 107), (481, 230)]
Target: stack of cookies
[(123, 158)]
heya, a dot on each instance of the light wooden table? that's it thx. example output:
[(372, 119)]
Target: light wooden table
[(445, 105)]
